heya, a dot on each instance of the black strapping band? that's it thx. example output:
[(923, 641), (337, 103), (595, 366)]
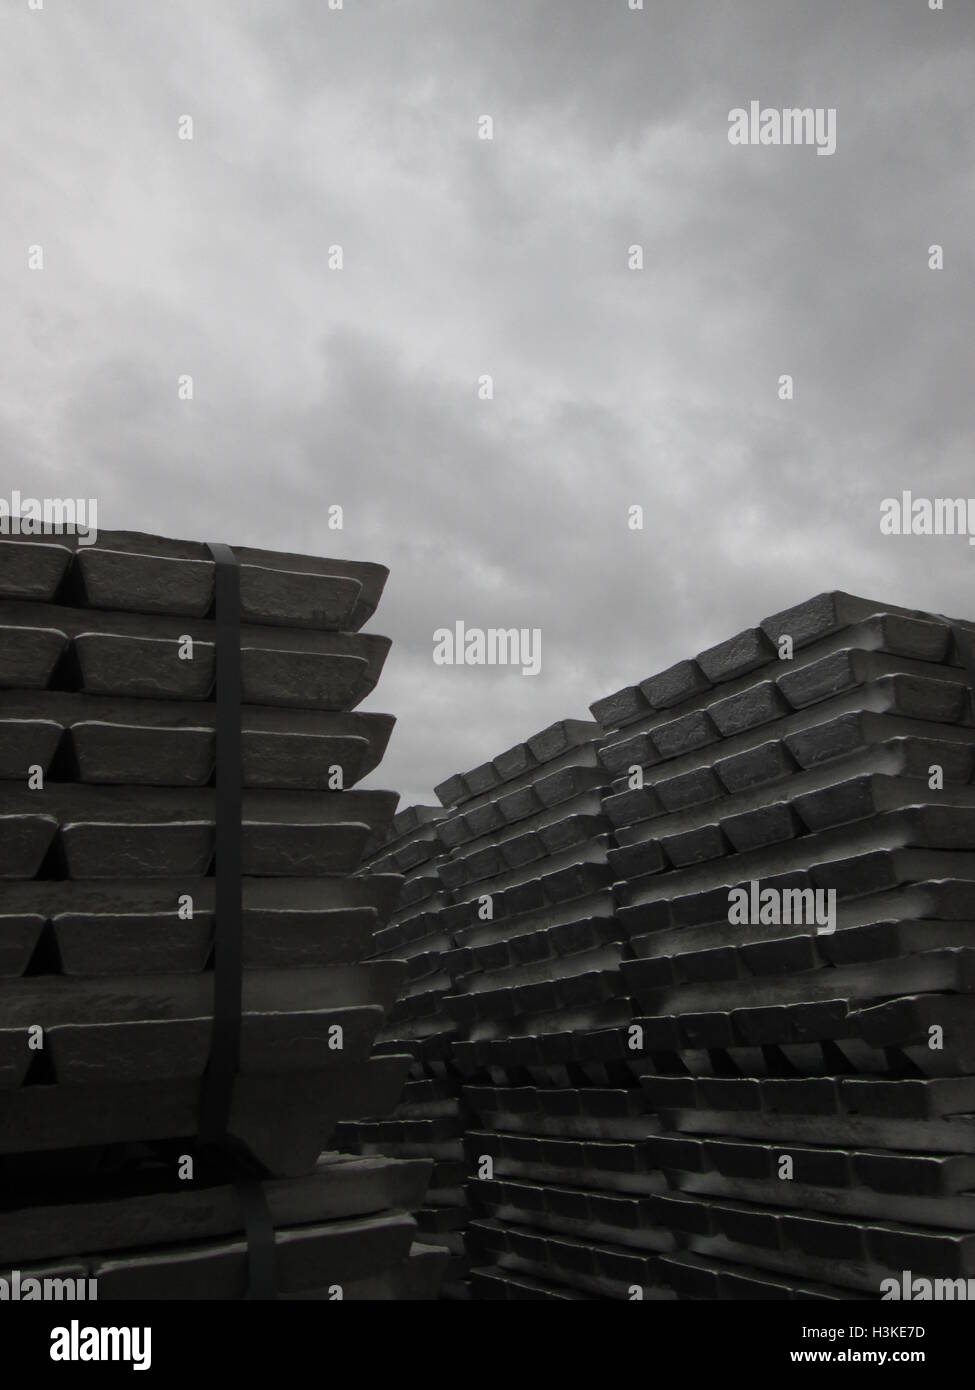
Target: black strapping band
[(224, 1061), (259, 1230), (228, 959)]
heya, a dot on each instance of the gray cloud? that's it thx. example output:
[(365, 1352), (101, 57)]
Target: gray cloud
[(464, 257)]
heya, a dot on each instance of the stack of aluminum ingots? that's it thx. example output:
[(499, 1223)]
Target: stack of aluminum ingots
[(428, 1121), (713, 974), (527, 939), (795, 871), (537, 980), (509, 925), (108, 734)]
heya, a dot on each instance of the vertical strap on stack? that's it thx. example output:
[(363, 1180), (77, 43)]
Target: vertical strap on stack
[(228, 963), (259, 1231), (228, 958)]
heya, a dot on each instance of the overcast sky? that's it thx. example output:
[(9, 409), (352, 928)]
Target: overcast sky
[(507, 257)]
